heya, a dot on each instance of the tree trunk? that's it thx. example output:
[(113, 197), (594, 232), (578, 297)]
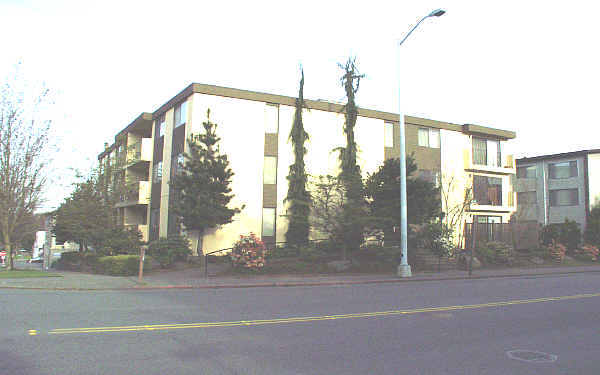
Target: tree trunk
[(9, 252)]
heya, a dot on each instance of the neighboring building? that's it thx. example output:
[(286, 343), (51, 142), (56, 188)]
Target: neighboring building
[(552, 188), (254, 129)]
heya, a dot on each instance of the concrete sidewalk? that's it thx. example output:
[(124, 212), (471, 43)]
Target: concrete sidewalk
[(194, 278)]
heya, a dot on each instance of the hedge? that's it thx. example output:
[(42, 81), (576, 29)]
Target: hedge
[(116, 265), (121, 265)]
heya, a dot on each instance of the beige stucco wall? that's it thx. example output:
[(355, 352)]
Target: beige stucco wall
[(240, 127), (325, 130), (594, 178)]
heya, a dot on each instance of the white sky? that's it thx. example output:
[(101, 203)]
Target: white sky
[(527, 66)]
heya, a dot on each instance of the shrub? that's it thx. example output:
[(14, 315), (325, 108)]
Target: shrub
[(118, 241), (121, 265), (169, 250), (592, 229), (557, 251), (248, 252), (589, 252), (76, 261), (496, 252), (567, 233), (435, 237)]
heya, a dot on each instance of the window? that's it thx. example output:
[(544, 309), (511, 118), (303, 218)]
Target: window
[(565, 169), (487, 190), (388, 134), (157, 172), (268, 224), (270, 170), (487, 152), (180, 114), (564, 197), (527, 198), (526, 172), (177, 161), (162, 124), (271, 118), (429, 137)]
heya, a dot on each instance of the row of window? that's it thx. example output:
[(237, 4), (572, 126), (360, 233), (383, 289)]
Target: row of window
[(427, 137), (157, 168), (566, 169), (558, 197)]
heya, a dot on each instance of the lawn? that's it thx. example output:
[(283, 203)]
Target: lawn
[(20, 274)]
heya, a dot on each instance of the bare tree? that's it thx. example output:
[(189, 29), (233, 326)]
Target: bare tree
[(23, 142), (456, 209)]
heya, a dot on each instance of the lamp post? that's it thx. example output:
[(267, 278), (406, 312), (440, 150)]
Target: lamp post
[(404, 267)]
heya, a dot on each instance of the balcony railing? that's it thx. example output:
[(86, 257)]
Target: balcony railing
[(135, 153), (135, 193)]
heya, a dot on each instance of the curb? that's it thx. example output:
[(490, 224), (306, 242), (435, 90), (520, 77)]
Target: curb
[(299, 284)]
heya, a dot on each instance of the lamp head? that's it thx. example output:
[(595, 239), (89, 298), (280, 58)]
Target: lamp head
[(437, 13)]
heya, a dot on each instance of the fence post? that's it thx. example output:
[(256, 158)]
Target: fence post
[(142, 256), (205, 266), (473, 233)]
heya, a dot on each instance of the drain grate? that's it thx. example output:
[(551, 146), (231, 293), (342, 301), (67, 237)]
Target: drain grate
[(531, 356)]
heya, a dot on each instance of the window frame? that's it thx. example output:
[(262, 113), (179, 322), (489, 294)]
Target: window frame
[(552, 196), (432, 133), (274, 222), (488, 201), (265, 175), (157, 172), (179, 116), (572, 165), (527, 168), (497, 161), (388, 134), (162, 125)]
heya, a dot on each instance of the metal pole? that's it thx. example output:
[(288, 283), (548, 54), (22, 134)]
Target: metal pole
[(404, 268), (142, 257)]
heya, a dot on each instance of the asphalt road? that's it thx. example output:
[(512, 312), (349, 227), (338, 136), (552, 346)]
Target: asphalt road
[(360, 329)]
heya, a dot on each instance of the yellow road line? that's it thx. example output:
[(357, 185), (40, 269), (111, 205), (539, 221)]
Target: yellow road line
[(311, 318)]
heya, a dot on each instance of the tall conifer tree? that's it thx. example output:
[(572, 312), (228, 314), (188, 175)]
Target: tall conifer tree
[(298, 196), (354, 207)]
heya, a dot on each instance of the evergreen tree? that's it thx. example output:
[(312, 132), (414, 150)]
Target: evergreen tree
[(298, 196), (201, 188), (383, 194), (350, 174), (85, 217)]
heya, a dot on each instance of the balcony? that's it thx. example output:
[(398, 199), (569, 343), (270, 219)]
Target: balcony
[(135, 193), (507, 168), (136, 153)]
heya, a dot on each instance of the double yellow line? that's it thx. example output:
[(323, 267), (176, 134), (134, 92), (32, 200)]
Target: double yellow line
[(156, 327)]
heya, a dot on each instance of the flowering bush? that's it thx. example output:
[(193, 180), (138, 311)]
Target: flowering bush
[(557, 251), (589, 251), (249, 252)]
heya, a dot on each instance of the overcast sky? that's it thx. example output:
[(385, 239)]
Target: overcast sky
[(527, 66)]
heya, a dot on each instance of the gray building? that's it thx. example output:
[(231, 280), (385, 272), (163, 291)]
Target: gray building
[(552, 188)]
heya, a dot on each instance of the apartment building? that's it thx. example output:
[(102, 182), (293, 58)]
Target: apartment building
[(129, 160), (552, 188), (254, 129)]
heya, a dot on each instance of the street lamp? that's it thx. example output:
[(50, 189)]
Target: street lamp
[(404, 267)]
